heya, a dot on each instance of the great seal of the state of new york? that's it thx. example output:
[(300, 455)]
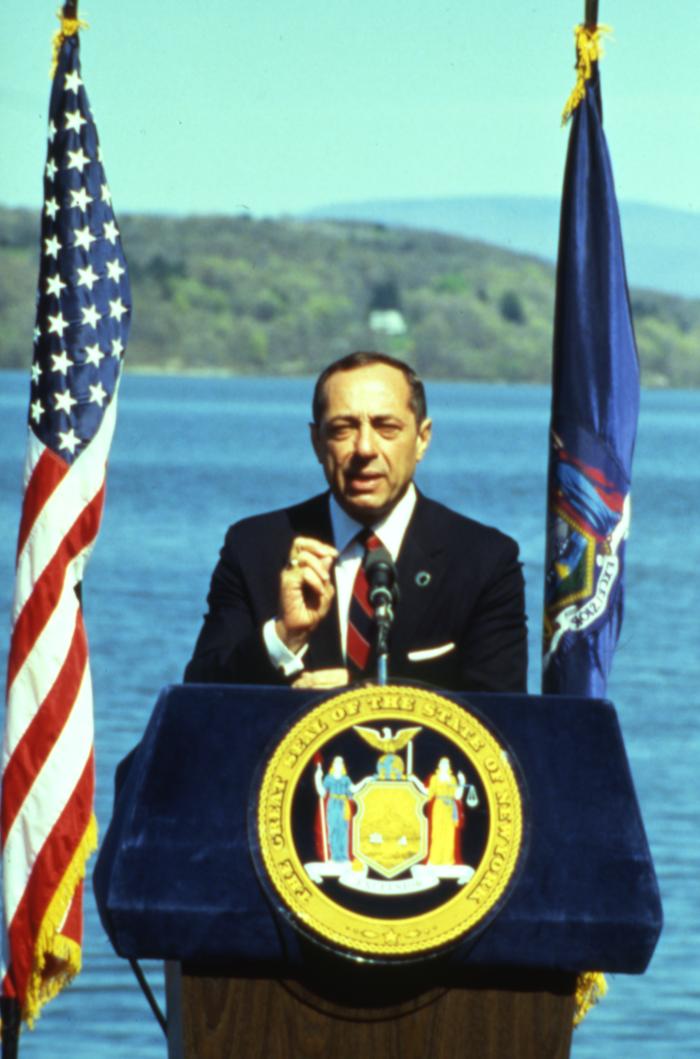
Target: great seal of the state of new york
[(390, 822)]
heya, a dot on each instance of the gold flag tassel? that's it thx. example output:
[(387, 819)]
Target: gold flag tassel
[(589, 49), (69, 27), (590, 988), (58, 958)]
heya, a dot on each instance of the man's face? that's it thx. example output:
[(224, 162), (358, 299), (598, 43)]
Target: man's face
[(368, 440)]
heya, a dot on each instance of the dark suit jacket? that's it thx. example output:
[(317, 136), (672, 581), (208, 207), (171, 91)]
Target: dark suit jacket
[(473, 598)]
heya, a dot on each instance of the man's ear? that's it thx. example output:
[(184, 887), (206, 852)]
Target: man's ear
[(425, 432), (315, 440)]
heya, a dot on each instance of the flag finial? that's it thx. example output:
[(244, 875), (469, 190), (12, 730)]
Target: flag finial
[(589, 49), (70, 24)]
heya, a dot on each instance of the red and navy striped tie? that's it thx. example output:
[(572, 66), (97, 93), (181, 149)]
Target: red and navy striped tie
[(361, 613)]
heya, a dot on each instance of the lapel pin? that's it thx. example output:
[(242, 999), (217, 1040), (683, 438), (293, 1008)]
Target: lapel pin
[(422, 578)]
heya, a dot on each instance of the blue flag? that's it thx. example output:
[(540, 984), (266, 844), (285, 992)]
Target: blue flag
[(595, 406)]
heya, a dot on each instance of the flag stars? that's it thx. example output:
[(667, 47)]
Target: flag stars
[(57, 325), (68, 440), (115, 270), (98, 394), (117, 309), (52, 246), (63, 402), (36, 410), (93, 355), (84, 237), (110, 231), (80, 199), (78, 310), (77, 160), (90, 315), (74, 120), (87, 277), (72, 81), (61, 362), (54, 285)]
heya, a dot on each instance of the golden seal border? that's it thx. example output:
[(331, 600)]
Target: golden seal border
[(309, 905)]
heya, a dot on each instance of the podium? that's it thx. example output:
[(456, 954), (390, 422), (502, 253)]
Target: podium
[(176, 880)]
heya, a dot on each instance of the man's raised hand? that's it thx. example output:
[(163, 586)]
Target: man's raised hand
[(306, 590)]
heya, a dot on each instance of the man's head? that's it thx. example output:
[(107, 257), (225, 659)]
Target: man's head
[(369, 431)]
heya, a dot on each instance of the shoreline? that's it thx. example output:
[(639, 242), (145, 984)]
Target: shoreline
[(658, 383)]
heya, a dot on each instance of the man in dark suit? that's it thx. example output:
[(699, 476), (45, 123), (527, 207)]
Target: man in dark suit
[(282, 590)]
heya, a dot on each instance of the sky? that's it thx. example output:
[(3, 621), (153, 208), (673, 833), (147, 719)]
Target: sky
[(276, 107)]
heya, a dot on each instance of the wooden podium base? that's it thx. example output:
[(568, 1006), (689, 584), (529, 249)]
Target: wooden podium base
[(487, 1016)]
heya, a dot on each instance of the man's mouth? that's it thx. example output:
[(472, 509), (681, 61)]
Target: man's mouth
[(363, 481)]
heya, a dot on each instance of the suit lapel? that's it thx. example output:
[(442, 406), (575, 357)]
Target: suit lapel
[(421, 569)]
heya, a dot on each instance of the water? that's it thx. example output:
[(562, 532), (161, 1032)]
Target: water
[(192, 455)]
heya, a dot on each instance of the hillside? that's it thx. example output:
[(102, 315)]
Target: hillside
[(662, 245), (236, 295)]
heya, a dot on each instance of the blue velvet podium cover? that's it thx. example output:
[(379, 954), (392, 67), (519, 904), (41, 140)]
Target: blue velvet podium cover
[(175, 878)]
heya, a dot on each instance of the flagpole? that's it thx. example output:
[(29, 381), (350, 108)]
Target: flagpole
[(591, 14), (10, 1014)]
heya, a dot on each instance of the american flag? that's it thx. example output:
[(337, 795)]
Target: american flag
[(82, 322)]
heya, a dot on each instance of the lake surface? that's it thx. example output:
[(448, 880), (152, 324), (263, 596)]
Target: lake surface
[(192, 455)]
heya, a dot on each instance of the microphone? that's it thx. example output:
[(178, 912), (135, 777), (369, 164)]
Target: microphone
[(383, 595), (380, 572)]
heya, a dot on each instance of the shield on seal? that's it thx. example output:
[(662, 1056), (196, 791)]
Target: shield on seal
[(390, 830)]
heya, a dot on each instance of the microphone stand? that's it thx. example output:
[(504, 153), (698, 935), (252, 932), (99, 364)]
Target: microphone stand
[(383, 616)]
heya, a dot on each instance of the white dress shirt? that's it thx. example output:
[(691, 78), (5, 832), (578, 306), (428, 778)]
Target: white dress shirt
[(390, 530)]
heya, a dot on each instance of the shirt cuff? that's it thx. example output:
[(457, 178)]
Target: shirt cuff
[(279, 654)]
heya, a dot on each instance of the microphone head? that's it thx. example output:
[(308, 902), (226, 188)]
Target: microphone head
[(379, 564), (381, 573)]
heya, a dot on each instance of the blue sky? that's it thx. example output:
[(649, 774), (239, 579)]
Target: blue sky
[(277, 107)]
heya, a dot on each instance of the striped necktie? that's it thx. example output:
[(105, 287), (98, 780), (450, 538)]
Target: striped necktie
[(361, 613)]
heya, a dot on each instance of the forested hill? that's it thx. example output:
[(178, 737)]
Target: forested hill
[(237, 295)]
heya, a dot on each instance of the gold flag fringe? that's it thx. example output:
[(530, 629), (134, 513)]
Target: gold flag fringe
[(64, 953), (589, 49), (69, 27), (590, 988)]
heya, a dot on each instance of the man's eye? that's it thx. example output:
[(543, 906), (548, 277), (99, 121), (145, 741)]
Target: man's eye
[(341, 430), (389, 430)]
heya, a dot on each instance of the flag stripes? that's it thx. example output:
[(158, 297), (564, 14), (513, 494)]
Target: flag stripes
[(45, 478), (47, 823), (47, 790), (43, 730), (55, 907), (52, 582)]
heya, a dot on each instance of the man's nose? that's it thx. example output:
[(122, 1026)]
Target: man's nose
[(365, 442)]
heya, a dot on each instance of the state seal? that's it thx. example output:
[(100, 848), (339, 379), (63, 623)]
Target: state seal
[(389, 822)]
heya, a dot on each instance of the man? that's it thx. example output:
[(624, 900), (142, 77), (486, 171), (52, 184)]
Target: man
[(281, 600)]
